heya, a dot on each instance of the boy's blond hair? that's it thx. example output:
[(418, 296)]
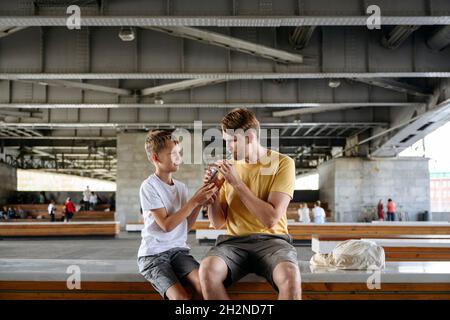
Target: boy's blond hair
[(156, 141)]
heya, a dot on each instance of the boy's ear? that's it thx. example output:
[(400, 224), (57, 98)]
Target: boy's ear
[(154, 157)]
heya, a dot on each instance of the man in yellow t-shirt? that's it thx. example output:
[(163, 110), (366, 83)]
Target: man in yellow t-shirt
[(252, 202)]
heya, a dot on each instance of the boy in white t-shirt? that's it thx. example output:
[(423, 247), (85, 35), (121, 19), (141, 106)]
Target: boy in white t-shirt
[(163, 256)]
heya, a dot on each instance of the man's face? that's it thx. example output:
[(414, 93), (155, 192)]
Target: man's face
[(169, 158), (237, 145)]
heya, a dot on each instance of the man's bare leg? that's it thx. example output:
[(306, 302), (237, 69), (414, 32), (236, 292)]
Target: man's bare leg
[(193, 279), (177, 292), (286, 276), (213, 272)]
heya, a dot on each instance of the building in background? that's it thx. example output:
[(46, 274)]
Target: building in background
[(440, 191)]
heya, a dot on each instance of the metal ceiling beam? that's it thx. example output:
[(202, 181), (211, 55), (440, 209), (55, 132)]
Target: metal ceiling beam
[(294, 106), (220, 21), (223, 75), (395, 85), (137, 125), (27, 114), (177, 86), (398, 35), (440, 40), (6, 31), (82, 86), (324, 107), (231, 43)]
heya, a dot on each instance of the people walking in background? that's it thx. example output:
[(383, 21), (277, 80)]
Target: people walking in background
[(318, 213), (380, 210), (86, 198), (303, 213), (93, 201), (390, 210), (51, 210), (70, 209)]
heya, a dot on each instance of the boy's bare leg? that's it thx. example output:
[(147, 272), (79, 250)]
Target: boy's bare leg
[(213, 272), (177, 292), (193, 280)]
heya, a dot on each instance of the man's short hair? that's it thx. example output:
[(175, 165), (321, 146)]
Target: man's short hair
[(318, 203), (156, 141), (240, 118)]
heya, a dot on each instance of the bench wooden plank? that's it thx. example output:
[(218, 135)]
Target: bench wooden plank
[(57, 290), (44, 229)]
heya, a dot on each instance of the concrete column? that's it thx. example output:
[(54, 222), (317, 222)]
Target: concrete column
[(8, 178), (133, 167), (350, 184)]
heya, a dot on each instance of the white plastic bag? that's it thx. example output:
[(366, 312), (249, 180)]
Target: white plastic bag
[(352, 254)]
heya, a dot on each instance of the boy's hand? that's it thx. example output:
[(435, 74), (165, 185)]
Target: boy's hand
[(204, 193), (212, 199)]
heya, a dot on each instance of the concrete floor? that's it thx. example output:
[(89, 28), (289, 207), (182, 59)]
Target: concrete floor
[(123, 247)]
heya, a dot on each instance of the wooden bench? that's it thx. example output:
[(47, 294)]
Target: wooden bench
[(45, 279), (305, 231), (50, 229), (38, 212)]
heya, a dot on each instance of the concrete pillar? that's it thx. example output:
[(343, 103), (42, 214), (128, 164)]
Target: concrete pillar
[(8, 178), (351, 184), (133, 167)]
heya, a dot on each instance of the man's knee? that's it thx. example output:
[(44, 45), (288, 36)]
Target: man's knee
[(212, 270), (286, 276)]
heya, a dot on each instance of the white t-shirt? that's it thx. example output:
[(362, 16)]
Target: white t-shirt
[(319, 215), (303, 214), (50, 208), (155, 194), (93, 198), (86, 195)]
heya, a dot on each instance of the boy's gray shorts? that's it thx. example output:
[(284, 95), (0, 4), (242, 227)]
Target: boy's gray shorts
[(257, 253), (167, 268)]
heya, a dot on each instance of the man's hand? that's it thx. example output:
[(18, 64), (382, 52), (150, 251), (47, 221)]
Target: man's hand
[(218, 181), (228, 172)]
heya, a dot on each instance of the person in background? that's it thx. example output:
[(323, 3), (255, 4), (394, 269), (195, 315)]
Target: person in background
[(41, 199), (205, 212), (390, 210), (70, 209), (380, 210), (3, 212), (92, 201), (303, 213), (22, 213), (112, 202), (11, 213), (51, 210), (86, 197), (318, 213)]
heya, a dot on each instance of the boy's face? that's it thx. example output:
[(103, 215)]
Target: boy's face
[(169, 158)]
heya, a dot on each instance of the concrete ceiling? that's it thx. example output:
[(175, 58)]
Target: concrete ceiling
[(311, 69)]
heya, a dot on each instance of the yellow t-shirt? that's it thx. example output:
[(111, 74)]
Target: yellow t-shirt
[(261, 178)]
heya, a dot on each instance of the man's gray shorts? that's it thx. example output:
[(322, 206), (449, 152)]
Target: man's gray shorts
[(257, 253), (167, 268)]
